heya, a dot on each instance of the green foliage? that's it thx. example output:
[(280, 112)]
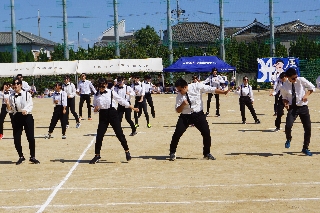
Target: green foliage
[(5, 57), (304, 48)]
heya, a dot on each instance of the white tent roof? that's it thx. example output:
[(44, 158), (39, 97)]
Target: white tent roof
[(81, 66)]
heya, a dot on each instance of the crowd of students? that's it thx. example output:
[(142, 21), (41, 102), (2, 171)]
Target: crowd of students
[(113, 99)]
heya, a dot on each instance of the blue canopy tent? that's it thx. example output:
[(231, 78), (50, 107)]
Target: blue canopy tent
[(199, 64)]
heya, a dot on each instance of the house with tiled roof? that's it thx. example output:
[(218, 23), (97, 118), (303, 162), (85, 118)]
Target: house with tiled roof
[(26, 42), (291, 31), (193, 34), (248, 33), (108, 36)]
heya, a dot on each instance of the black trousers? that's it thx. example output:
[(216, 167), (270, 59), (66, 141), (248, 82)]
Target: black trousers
[(3, 116), (127, 114), (106, 117), (58, 115), (148, 98), (87, 98), (200, 122), (276, 102), (142, 107), (246, 101), (26, 122), (280, 112), (71, 107), (303, 113), (216, 96)]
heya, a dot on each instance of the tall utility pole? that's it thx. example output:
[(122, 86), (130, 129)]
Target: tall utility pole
[(116, 29), (38, 23), (65, 30), (169, 31), (14, 35), (272, 45), (222, 51)]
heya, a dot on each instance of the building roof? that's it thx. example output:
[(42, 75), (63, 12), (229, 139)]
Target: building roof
[(24, 38), (257, 26), (293, 27), (194, 32)]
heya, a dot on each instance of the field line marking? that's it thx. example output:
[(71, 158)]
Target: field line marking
[(57, 188), (171, 202)]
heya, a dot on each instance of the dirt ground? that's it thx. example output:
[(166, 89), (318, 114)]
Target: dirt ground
[(253, 171)]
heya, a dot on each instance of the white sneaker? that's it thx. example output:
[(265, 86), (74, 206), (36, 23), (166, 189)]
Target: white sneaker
[(78, 125), (64, 137), (48, 136), (67, 126)]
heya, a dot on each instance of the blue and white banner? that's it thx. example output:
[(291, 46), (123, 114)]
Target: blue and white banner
[(268, 68)]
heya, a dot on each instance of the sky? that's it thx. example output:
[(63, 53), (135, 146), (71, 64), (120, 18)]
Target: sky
[(89, 18)]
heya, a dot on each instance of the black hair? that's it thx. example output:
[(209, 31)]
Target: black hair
[(5, 83), (214, 69), (290, 72), (67, 77), (181, 83), (102, 81), (18, 81), (19, 75), (194, 77), (58, 84), (147, 77), (279, 60), (245, 77), (282, 75), (119, 78)]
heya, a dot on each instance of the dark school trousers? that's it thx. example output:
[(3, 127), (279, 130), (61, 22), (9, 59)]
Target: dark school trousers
[(3, 116), (142, 106), (246, 101), (200, 122), (58, 115), (26, 122), (276, 102), (280, 112), (148, 98), (106, 117), (71, 107), (85, 97), (303, 113), (127, 114), (216, 96)]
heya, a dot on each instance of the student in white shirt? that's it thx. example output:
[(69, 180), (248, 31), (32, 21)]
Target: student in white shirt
[(213, 81), (4, 94), (246, 99), (282, 78), (140, 102), (59, 98), (71, 91), (189, 104), (105, 103), (21, 105), (295, 93), (147, 96), (25, 85), (125, 92), (84, 90)]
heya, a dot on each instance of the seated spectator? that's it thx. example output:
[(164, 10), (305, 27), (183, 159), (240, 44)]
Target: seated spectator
[(156, 89)]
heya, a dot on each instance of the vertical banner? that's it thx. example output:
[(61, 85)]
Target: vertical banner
[(269, 68)]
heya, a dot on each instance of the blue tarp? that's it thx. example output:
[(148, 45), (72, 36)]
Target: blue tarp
[(199, 64)]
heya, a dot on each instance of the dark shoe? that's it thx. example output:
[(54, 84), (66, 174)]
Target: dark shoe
[(217, 115), (64, 137), (209, 157), (243, 122), (207, 113), (257, 122), (307, 152), (20, 161), (287, 144), (48, 136), (153, 115), (128, 156), (172, 156), (277, 130), (34, 160), (275, 114), (133, 134), (95, 159)]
